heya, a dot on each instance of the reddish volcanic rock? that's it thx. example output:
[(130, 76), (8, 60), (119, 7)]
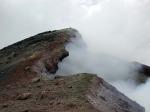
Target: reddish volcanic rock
[(37, 55), (24, 65)]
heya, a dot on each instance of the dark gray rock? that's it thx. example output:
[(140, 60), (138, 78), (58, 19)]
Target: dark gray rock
[(107, 98)]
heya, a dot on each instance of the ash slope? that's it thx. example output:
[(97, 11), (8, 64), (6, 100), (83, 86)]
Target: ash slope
[(25, 65)]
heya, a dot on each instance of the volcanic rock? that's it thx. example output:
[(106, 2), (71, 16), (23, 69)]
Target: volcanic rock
[(38, 56), (24, 96), (36, 79), (142, 71), (89, 93), (35, 56)]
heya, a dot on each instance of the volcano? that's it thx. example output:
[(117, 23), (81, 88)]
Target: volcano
[(28, 80)]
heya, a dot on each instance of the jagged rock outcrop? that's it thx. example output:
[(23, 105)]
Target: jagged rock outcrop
[(24, 65), (37, 55)]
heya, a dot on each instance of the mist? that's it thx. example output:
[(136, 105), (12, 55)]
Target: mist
[(114, 32)]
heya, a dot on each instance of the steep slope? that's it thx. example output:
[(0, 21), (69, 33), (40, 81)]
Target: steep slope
[(77, 93), (27, 66), (37, 55)]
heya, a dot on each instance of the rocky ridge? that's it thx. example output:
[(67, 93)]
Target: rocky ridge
[(37, 55), (24, 66)]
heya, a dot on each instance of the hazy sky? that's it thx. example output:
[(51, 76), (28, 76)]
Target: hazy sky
[(22, 18), (118, 27)]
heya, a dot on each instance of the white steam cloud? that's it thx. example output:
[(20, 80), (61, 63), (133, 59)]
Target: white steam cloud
[(113, 30)]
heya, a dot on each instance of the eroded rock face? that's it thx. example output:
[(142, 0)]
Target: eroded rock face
[(37, 55)]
